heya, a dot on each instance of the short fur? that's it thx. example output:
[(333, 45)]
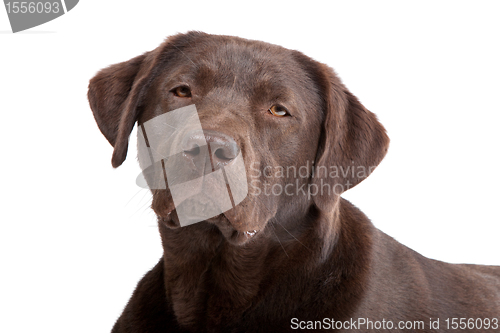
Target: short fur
[(314, 256)]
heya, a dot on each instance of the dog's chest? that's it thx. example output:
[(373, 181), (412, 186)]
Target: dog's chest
[(212, 292)]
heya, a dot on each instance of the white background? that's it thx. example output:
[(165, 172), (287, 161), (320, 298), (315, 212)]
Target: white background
[(77, 235)]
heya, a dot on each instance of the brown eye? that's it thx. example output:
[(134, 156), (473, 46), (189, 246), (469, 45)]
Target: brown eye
[(278, 111), (182, 91)]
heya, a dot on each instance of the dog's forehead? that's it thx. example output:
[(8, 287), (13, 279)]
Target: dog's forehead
[(244, 56), (234, 61)]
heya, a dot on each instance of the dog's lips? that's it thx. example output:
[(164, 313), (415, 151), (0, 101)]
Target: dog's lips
[(233, 234), (251, 233), (170, 219), (222, 220)]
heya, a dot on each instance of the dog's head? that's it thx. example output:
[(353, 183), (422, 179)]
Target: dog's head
[(295, 135)]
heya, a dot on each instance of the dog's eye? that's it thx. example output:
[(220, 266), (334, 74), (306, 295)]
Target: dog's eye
[(182, 91), (278, 110)]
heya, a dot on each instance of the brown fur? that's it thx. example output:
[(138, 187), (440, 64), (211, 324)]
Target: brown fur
[(315, 256)]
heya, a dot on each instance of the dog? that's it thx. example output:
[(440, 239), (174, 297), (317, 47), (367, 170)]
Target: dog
[(292, 253)]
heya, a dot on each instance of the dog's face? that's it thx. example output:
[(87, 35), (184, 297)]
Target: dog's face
[(250, 95), (302, 137)]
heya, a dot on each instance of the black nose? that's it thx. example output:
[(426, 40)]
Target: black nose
[(209, 149)]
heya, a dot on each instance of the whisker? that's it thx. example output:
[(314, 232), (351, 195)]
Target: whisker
[(291, 234), (128, 202), (279, 241), (142, 204), (277, 222)]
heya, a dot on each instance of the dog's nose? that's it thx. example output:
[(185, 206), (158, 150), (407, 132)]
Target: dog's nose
[(220, 148)]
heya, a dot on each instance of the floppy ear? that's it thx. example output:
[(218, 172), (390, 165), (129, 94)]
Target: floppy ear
[(352, 142), (114, 94)]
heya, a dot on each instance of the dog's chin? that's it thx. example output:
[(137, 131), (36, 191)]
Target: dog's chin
[(232, 235), (235, 236)]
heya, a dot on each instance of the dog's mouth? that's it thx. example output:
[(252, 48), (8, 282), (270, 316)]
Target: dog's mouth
[(234, 235)]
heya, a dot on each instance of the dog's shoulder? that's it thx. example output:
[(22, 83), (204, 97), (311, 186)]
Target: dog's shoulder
[(431, 287), (148, 310)]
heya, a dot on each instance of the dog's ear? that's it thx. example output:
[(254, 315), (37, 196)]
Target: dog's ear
[(114, 94), (352, 142)]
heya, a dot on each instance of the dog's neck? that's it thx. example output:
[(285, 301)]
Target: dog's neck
[(207, 277)]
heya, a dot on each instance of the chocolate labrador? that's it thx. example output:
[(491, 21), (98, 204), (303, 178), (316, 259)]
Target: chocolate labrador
[(290, 253)]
